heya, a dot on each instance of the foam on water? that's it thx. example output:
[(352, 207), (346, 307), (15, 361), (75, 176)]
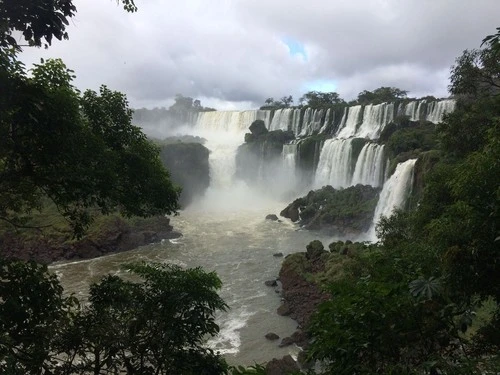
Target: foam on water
[(229, 339)]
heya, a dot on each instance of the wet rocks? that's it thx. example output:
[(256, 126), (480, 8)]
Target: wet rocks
[(272, 217), (271, 283), (283, 366), (271, 336)]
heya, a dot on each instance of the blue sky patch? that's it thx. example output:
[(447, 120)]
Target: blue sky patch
[(322, 85), (295, 47)]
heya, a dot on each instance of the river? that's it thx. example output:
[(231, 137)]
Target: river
[(237, 243)]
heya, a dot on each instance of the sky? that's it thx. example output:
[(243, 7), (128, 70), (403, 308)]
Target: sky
[(233, 54)]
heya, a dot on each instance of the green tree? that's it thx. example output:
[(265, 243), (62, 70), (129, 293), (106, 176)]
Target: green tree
[(157, 324), (380, 95), (32, 308), (80, 151), (317, 99), (39, 20)]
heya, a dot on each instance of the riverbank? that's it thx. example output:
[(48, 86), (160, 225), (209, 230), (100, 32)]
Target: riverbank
[(108, 234)]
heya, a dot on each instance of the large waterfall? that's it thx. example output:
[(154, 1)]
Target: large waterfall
[(335, 164), (350, 157), (394, 193), (369, 168)]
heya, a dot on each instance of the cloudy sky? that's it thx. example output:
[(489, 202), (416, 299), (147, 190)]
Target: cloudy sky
[(232, 54)]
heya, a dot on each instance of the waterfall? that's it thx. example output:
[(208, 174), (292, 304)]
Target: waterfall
[(311, 122), (224, 132), (281, 119), (296, 121), (327, 120), (369, 169), (335, 164), (351, 122), (375, 118), (289, 159), (411, 110), (436, 111), (394, 193)]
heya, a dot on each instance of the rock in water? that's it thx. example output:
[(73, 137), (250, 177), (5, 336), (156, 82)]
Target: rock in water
[(272, 217), (272, 336)]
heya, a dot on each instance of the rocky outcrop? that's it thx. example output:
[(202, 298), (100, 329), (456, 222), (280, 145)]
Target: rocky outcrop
[(341, 212), (109, 235), (260, 155), (189, 168), (283, 366), (302, 295)]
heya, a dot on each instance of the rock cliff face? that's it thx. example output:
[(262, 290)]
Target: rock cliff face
[(305, 276), (300, 292), (112, 234), (189, 168), (342, 212), (260, 156)]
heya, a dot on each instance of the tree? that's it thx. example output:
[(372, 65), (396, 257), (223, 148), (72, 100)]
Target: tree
[(32, 308), (381, 95), (476, 73), (80, 151), (287, 101), (39, 20), (317, 99), (155, 325)]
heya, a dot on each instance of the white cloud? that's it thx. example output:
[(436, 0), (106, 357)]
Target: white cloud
[(231, 53)]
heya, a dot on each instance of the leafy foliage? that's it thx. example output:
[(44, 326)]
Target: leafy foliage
[(406, 306), (39, 21), (317, 99), (157, 325), (380, 95), (79, 151)]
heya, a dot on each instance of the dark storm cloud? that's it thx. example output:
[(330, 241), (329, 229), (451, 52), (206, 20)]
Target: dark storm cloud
[(233, 53)]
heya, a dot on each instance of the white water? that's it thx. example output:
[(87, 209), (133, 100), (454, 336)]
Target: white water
[(281, 119), (335, 164), (437, 109), (394, 193), (375, 118), (351, 123), (369, 168), (289, 156)]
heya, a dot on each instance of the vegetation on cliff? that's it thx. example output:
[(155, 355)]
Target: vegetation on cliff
[(256, 159), (411, 303), (344, 211)]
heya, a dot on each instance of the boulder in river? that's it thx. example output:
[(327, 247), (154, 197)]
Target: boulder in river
[(272, 217)]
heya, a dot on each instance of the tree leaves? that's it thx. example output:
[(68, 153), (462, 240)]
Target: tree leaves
[(425, 288)]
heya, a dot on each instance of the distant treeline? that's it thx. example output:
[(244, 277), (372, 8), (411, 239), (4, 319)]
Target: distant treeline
[(316, 99)]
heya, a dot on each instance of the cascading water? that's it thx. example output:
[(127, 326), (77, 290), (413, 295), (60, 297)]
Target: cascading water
[(327, 121), (394, 193), (437, 109), (351, 123), (335, 164), (375, 117), (411, 110), (369, 168), (281, 119)]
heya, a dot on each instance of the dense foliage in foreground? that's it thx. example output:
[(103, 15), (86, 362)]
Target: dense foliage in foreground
[(426, 298), (156, 324)]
